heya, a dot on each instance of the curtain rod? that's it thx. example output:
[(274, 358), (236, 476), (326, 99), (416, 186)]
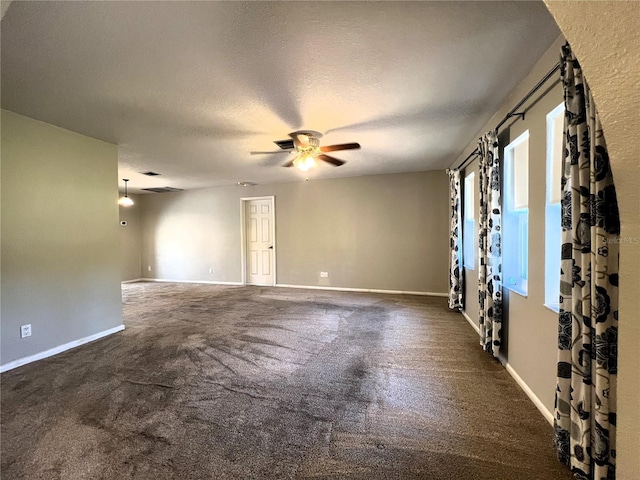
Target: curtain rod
[(514, 111)]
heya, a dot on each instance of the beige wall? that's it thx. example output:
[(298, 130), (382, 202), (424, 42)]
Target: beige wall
[(385, 232), (59, 237), (131, 241), (530, 329), (612, 67)]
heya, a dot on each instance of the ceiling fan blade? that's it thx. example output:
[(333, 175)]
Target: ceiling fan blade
[(336, 162), (341, 146), (276, 151), (285, 144), (288, 164)]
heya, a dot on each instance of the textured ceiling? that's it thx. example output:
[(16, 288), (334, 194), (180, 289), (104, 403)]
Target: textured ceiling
[(188, 89)]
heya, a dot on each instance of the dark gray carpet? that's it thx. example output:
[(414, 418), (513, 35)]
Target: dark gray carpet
[(211, 382)]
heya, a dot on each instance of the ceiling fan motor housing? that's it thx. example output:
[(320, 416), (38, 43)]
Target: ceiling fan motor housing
[(308, 133), (306, 141)]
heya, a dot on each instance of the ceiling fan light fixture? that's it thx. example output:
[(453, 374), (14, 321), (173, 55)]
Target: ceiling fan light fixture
[(305, 162), (308, 152), (125, 201)]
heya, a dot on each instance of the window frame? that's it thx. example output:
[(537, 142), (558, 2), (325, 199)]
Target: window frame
[(515, 223), (553, 211), (469, 222)]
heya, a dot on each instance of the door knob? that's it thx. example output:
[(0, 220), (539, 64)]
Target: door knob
[(271, 247)]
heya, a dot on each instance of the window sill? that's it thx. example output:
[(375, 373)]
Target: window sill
[(514, 289), (553, 308)]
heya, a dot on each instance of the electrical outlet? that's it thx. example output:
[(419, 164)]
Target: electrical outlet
[(324, 274), (149, 268), (210, 270), (25, 331)]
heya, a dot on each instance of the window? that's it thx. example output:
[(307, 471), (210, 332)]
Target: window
[(469, 226), (515, 219), (552, 228)]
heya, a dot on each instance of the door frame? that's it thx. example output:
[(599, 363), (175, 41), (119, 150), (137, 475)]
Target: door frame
[(243, 237)]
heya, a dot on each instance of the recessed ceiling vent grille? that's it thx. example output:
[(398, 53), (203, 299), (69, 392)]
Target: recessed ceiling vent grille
[(284, 144), (162, 189), (150, 174)]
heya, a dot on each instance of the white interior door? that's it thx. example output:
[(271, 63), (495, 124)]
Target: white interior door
[(259, 235)]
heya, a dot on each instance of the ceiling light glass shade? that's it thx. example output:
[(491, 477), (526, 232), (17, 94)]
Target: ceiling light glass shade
[(305, 162), (125, 201)]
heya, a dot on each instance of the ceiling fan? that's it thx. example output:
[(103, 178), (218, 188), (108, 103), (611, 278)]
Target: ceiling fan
[(306, 145)]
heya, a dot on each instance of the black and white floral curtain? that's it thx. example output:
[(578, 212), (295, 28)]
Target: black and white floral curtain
[(455, 250), (489, 236), (585, 406)]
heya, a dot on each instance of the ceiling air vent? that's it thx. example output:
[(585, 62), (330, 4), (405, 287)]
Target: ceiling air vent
[(162, 189), (150, 174)]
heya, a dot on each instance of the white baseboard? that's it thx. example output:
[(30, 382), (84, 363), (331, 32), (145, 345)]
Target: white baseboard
[(532, 396), (59, 349), (521, 383), (310, 287), (471, 322), (208, 282), (363, 290), (135, 280)]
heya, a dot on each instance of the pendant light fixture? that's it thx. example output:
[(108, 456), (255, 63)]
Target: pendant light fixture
[(125, 201)]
